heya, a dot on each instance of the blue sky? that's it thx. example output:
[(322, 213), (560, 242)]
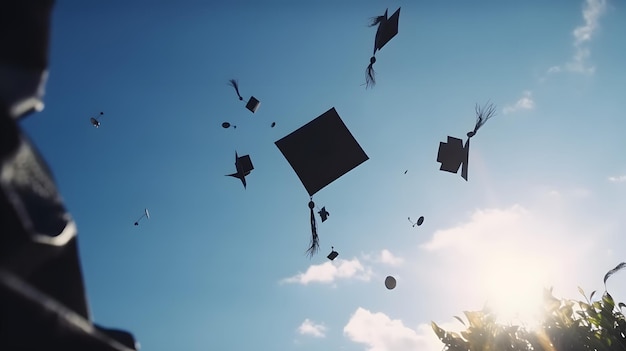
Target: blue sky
[(218, 266)]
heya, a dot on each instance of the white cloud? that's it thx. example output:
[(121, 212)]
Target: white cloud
[(554, 193), (387, 257), (554, 69), (328, 272), (618, 179), (591, 13), (524, 103), (485, 227), (574, 193), (381, 333), (308, 327), (583, 34)]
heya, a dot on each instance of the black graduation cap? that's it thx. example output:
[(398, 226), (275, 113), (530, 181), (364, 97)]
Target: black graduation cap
[(453, 154), (243, 165), (323, 214), (145, 214), (418, 223), (253, 103), (94, 120), (320, 152), (333, 254), (387, 29), (390, 282)]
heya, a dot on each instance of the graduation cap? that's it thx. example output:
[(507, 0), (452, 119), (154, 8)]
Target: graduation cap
[(387, 29), (320, 152), (453, 154), (94, 120), (418, 223), (145, 214), (390, 282), (333, 254), (252, 104), (323, 214), (243, 164)]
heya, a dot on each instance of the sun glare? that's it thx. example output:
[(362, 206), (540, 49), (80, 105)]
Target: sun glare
[(515, 290)]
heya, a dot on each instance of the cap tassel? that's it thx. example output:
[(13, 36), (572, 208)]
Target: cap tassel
[(483, 114), (377, 20), (370, 77), (234, 84), (315, 245)]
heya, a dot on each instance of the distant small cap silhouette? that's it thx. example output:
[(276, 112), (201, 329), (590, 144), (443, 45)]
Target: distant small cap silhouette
[(390, 282), (333, 254), (252, 104), (420, 220)]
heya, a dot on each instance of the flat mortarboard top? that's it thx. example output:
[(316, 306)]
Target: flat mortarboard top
[(453, 154), (243, 164), (252, 104), (387, 30), (333, 254), (320, 152)]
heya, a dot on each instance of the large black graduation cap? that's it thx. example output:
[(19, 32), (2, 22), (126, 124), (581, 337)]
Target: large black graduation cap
[(320, 152), (387, 29), (243, 165), (453, 154)]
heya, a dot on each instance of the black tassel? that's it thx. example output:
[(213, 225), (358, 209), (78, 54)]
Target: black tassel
[(315, 244), (483, 114), (374, 21), (233, 83), (370, 76)]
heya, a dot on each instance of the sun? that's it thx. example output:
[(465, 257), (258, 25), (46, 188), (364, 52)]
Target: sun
[(515, 287)]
